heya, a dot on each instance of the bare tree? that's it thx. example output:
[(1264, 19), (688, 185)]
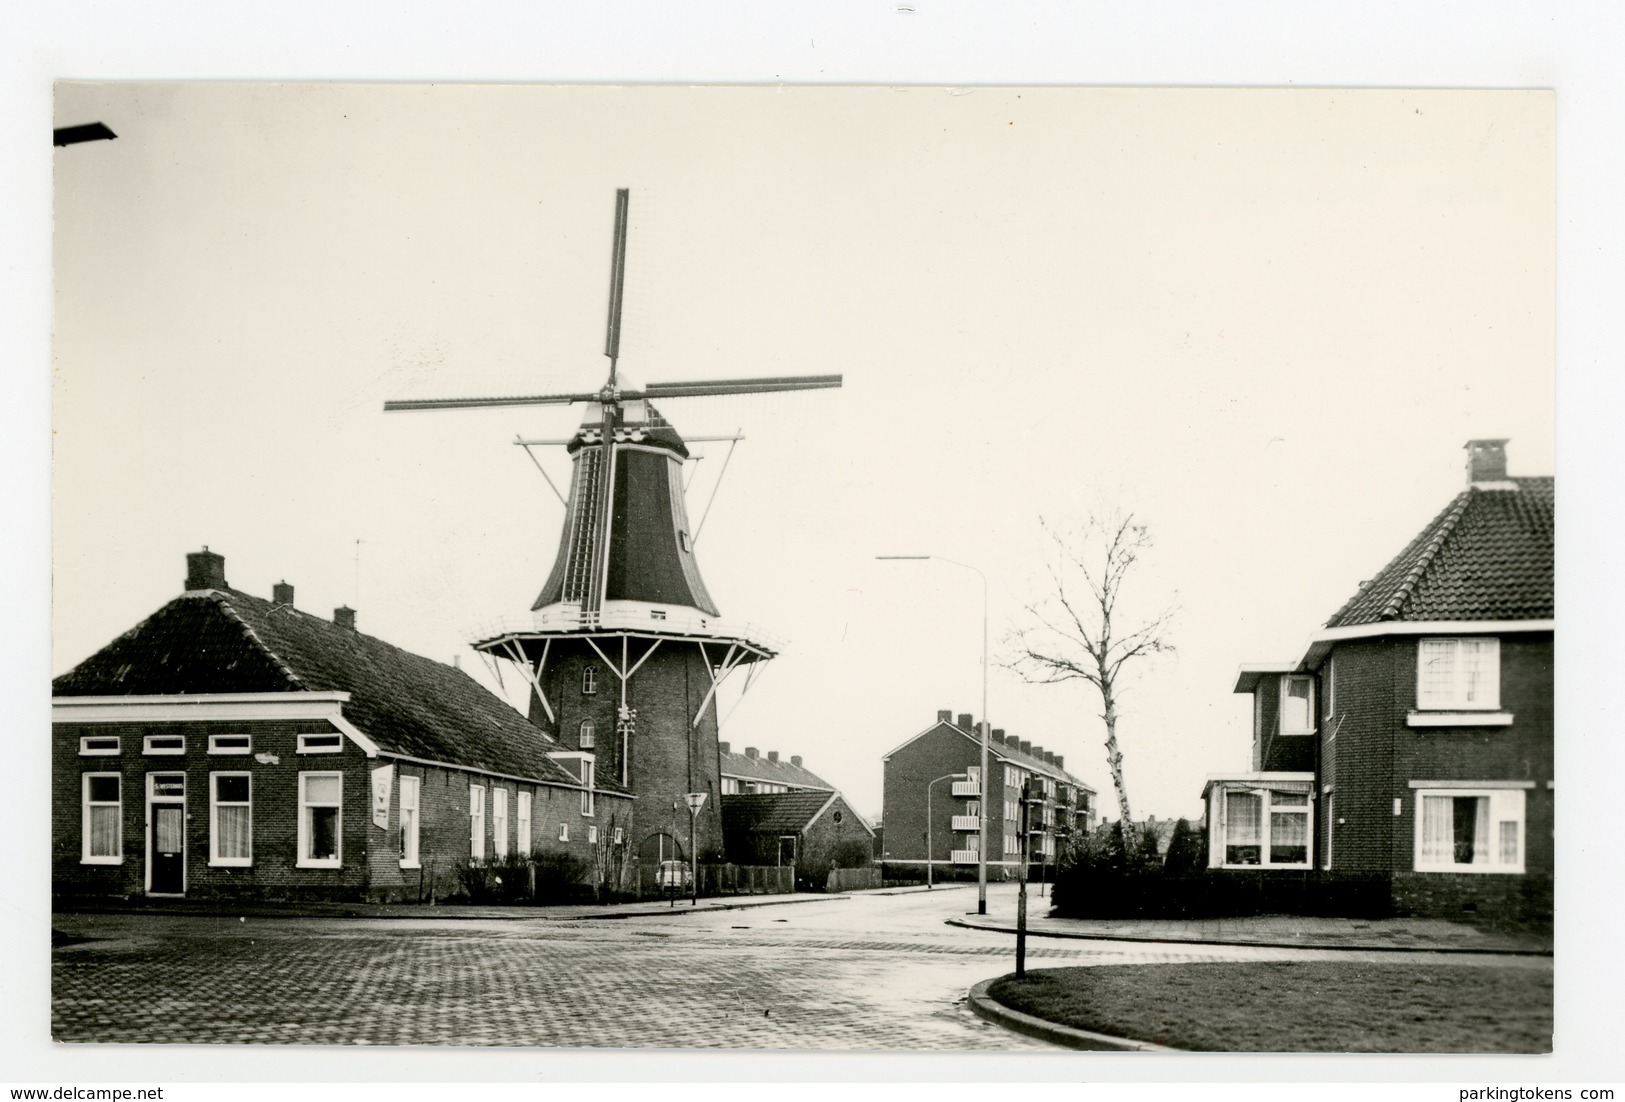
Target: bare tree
[(1074, 633)]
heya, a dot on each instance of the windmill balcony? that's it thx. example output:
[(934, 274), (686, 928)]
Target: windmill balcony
[(967, 788), (635, 616), (963, 857), (966, 822)]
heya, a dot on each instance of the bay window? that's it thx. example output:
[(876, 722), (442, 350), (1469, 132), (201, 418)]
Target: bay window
[(1263, 827)]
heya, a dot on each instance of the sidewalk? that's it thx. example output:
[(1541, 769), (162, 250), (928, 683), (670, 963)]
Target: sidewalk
[(562, 913), (1273, 931)]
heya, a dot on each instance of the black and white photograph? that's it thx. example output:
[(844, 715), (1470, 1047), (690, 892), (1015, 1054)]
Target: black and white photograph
[(898, 569)]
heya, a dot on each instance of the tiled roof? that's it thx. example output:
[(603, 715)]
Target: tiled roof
[(772, 813), (1487, 556), (224, 641), (774, 772)]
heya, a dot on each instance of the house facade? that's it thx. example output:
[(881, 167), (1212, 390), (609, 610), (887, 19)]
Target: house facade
[(932, 805), (229, 746), (1412, 741)]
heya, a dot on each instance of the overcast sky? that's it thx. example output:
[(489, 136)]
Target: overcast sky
[(1266, 321)]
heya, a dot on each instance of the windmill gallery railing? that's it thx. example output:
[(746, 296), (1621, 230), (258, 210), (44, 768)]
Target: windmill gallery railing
[(563, 619)]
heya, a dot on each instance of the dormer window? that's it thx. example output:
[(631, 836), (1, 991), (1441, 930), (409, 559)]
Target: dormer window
[(1297, 705), (589, 680)]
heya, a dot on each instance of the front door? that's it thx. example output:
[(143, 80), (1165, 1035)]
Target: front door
[(166, 845)]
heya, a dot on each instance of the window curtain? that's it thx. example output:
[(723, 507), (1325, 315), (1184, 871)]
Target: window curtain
[(231, 820), (1438, 830), (104, 831), (1243, 818)]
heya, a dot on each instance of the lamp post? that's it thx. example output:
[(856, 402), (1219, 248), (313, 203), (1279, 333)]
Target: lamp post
[(696, 800), (981, 834), (946, 777)]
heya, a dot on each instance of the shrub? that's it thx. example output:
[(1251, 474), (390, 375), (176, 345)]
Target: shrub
[(561, 877), (503, 879), (1187, 851)]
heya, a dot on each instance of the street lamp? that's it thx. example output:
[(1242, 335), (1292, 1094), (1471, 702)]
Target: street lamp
[(946, 777), (981, 838)]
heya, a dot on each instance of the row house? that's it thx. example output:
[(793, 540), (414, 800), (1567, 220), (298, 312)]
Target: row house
[(933, 801), (1412, 743)]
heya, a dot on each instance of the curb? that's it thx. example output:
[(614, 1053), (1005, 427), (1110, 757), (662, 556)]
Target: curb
[(983, 1006), (1335, 946), (655, 912), (449, 913)]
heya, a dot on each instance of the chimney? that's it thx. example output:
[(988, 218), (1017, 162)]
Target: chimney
[(795, 760), (1037, 752), (205, 570), (723, 747), (997, 734), (1059, 762), (966, 721), (282, 593), (773, 756), (1049, 756), (344, 617), (1486, 461), (1024, 746), (945, 715), (750, 752)]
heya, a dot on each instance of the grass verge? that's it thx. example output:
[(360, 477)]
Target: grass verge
[(1298, 1006)]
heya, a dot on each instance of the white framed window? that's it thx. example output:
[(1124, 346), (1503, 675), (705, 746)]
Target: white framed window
[(1012, 844), (588, 738), (1010, 814), (410, 822), (564, 832), (163, 744), (94, 746), (592, 836), (102, 800), (587, 792), (1265, 827), (1330, 679), (321, 744), (973, 774), (321, 820), (1470, 830), (1458, 674), (1297, 705), (730, 786), (231, 744), (476, 821), (231, 819), (618, 838), (522, 823), (589, 680), (499, 821)]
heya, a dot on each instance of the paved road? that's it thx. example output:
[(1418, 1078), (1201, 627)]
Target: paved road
[(857, 973)]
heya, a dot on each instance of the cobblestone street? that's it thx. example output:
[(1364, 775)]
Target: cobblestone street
[(866, 972)]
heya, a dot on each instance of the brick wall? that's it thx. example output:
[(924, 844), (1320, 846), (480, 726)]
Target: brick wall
[(370, 855), (834, 835), (669, 756), (1375, 754), (940, 751), (273, 824)]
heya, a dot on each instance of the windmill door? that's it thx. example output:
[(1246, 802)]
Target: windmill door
[(166, 834)]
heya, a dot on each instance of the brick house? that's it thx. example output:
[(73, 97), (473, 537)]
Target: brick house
[(230, 746), (920, 783), (1411, 743), (811, 829)]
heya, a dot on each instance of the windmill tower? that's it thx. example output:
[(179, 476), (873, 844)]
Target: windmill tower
[(624, 649)]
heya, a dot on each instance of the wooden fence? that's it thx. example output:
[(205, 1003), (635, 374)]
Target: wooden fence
[(851, 880)]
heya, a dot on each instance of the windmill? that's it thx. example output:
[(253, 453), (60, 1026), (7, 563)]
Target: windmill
[(624, 608)]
